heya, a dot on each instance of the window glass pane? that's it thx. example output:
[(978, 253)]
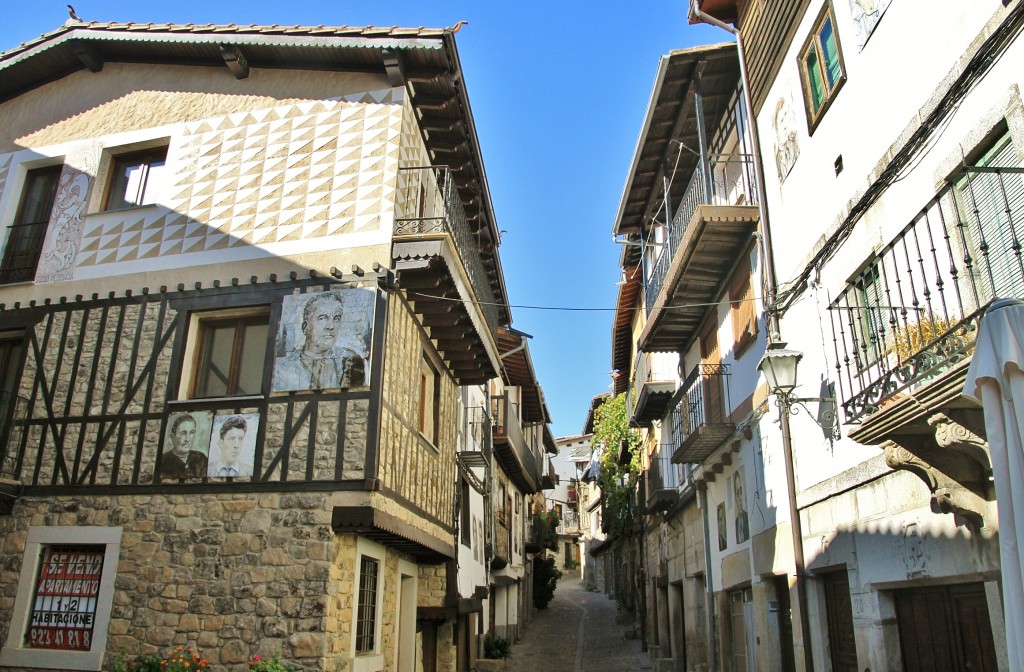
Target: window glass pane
[(156, 181), (814, 80), (215, 366), (137, 179), (254, 350), (831, 57), (37, 203)]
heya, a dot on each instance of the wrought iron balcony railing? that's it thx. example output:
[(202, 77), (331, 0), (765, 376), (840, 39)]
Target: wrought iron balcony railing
[(915, 309), (651, 387), (728, 179), (429, 204), (570, 523), (701, 421)]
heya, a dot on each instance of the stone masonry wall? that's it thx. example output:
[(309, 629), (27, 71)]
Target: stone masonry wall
[(233, 574)]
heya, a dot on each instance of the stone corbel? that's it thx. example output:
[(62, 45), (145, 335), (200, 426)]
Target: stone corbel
[(954, 467)]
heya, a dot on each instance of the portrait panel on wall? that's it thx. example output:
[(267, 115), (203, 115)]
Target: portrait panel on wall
[(740, 497), (323, 341), (185, 448), (233, 445), (866, 15), (723, 530)]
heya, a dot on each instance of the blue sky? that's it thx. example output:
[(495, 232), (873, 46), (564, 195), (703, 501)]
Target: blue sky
[(558, 91)]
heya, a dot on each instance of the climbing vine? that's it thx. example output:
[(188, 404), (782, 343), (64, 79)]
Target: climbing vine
[(611, 430)]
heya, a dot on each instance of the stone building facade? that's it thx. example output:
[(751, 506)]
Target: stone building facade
[(242, 324)]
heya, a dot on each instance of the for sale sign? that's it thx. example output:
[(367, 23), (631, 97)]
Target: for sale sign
[(64, 610)]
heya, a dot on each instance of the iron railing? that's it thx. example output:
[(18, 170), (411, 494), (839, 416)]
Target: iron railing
[(914, 311), (429, 203), (507, 427), (570, 523), (663, 474), (728, 179), (646, 370), (706, 401)]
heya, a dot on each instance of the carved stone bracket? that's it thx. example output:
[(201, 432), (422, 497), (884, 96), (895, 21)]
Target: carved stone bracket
[(955, 467)]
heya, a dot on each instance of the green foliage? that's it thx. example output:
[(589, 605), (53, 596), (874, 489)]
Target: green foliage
[(545, 529), (497, 647), (611, 429), (545, 580), (179, 659), (271, 664)]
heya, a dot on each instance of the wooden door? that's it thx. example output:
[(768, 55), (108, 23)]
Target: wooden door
[(740, 612), (711, 359), (945, 629), (842, 646)]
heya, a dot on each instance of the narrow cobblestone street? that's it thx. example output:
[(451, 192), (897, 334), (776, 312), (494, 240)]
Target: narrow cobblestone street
[(577, 632)]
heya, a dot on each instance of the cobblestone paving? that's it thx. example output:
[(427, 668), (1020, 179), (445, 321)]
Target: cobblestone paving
[(577, 632)]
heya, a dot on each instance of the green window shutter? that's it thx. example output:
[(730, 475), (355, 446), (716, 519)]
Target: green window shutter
[(828, 43), (982, 191), (814, 79)]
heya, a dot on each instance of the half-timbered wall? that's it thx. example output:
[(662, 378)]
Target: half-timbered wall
[(101, 378), (413, 467)]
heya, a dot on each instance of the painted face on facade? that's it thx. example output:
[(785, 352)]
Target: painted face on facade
[(324, 326), (231, 445), (183, 437)]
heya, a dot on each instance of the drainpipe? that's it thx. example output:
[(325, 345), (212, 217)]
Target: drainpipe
[(702, 502), (800, 571)]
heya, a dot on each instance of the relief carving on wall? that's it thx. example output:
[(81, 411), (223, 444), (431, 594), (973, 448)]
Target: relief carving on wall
[(954, 466), (787, 147), (64, 233)]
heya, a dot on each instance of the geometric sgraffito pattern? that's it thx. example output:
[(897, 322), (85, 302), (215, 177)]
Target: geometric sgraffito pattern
[(256, 178)]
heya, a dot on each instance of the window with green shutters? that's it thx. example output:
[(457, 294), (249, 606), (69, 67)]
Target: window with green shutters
[(821, 66)]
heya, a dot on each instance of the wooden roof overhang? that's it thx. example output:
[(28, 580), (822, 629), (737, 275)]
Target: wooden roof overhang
[(519, 371), (713, 72), (390, 531), (595, 403), (424, 60), (725, 11), (453, 324), (626, 305), (696, 278)]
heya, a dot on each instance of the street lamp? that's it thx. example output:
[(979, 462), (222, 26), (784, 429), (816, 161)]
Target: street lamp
[(779, 367)]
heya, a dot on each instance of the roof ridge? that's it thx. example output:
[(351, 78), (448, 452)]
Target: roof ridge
[(225, 29)]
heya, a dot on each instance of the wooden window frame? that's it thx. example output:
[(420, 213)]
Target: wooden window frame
[(241, 320), (813, 41), (465, 525), (33, 233), (146, 158), (429, 400)]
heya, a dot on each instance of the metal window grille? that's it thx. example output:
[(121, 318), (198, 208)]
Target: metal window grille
[(366, 616)]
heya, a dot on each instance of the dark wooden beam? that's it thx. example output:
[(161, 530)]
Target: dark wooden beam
[(393, 67), (236, 61), (88, 55)]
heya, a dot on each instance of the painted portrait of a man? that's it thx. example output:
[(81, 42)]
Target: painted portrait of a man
[(324, 340), (233, 446), (188, 434)]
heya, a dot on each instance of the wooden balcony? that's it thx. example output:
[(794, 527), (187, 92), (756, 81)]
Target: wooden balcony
[(662, 481), (511, 447), (706, 236), (704, 421), (439, 264), (650, 392)]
